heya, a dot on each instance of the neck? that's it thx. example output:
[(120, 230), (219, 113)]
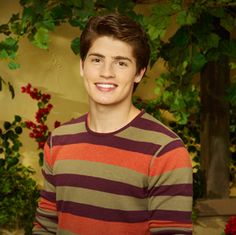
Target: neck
[(105, 119)]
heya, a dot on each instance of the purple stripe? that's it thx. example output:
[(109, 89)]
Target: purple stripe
[(48, 195), (48, 177), (171, 232), (100, 184), (102, 213), (76, 120), (172, 145), (72, 121), (106, 214), (146, 124), (170, 215), (49, 216), (109, 141), (172, 190)]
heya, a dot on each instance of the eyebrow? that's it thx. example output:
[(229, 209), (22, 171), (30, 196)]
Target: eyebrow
[(115, 57)]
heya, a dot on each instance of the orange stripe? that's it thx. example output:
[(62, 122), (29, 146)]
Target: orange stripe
[(131, 160), (36, 225), (81, 225), (162, 224), (47, 205), (175, 159), (47, 155)]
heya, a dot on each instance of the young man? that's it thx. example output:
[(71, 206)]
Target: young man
[(116, 170)]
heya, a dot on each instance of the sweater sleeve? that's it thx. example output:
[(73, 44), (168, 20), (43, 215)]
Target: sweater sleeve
[(46, 213), (170, 191)]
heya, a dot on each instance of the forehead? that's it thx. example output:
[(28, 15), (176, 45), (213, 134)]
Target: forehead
[(111, 47)]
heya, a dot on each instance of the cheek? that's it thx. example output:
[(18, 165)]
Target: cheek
[(89, 74)]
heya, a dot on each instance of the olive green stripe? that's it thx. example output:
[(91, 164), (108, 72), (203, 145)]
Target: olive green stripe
[(50, 225), (151, 118), (171, 177), (47, 168), (70, 129), (178, 203), (137, 134), (101, 199), (46, 212), (49, 187), (100, 170)]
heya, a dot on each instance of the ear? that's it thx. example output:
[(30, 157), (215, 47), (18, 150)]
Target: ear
[(138, 77), (81, 68)]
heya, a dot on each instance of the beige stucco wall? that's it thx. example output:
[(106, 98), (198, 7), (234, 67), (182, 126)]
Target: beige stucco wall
[(55, 71)]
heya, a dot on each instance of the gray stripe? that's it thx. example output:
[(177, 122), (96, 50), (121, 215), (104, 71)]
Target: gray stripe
[(101, 170), (101, 199)]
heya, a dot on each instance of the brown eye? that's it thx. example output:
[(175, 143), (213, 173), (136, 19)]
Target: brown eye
[(96, 60), (122, 63)]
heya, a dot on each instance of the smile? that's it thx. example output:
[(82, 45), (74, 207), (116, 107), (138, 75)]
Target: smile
[(106, 85)]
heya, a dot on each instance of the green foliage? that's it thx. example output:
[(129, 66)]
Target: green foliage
[(18, 191), (194, 44)]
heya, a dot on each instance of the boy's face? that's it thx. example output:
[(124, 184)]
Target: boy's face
[(109, 72)]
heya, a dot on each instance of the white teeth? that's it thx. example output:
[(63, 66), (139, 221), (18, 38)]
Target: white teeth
[(105, 85)]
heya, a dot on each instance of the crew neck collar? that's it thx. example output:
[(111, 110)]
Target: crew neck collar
[(114, 132)]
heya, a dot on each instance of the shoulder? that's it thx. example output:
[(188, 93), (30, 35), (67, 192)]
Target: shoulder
[(150, 122), (150, 126), (160, 133), (66, 130), (71, 126)]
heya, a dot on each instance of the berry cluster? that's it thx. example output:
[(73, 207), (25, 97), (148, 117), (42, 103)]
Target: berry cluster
[(230, 228), (38, 129)]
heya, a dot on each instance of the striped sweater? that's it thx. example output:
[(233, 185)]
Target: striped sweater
[(137, 181)]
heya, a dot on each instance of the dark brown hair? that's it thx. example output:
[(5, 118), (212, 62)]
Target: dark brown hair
[(119, 27)]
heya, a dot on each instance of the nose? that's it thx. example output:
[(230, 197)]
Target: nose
[(107, 70)]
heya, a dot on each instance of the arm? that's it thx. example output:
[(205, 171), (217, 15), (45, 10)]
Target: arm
[(170, 191), (46, 214)]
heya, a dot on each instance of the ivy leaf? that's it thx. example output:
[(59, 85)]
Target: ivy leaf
[(89, 5), (162, 10), (17, 118), (4, 28), (176, 6), (47, 22), (41, 38), (198, 61), (181, 117), (218, 12), (212, 40), (10, 43), (232, 65), (75, 45), (60, 12), (27, 18), (158, 90), (155, 33), (227, 22), (231, 94), (3, 54), (185, 18), (228, 48), (13, 65), (181, 37)]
